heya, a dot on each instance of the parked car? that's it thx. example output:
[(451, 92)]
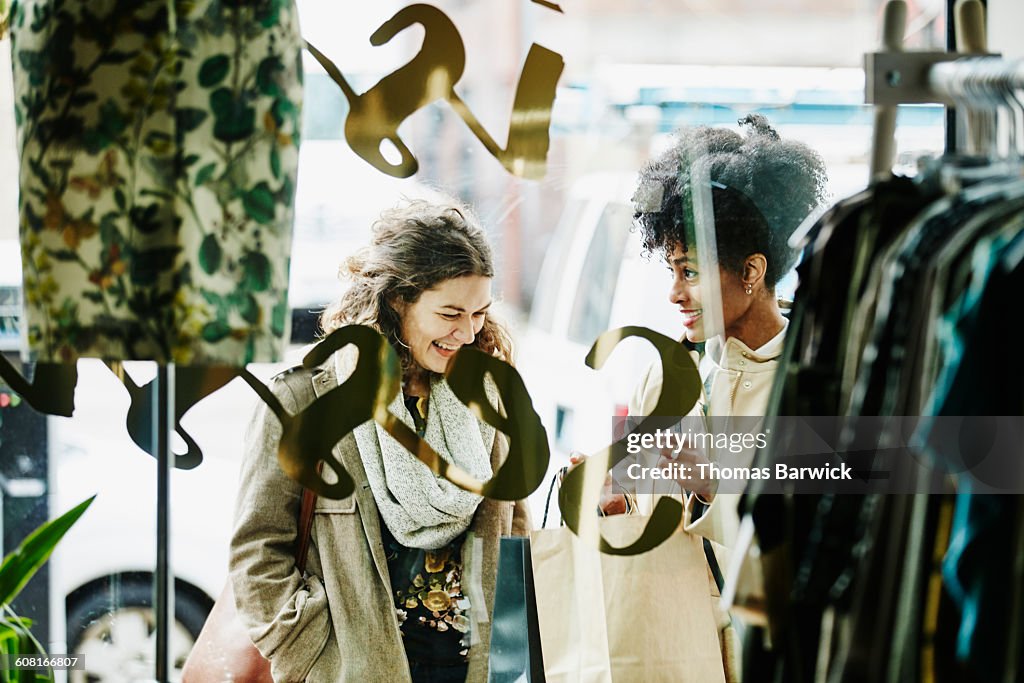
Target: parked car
[(104, 567)]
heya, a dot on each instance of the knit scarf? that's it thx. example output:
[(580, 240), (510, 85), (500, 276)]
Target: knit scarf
[(421, 509)]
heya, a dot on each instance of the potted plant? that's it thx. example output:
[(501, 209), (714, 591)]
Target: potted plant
[(18, 567)]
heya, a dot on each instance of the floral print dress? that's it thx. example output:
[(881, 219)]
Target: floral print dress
[(433, 612), (158, 144)]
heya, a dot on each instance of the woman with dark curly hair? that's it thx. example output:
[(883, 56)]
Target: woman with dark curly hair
[(761, 188), (719, 208), (400, 575)]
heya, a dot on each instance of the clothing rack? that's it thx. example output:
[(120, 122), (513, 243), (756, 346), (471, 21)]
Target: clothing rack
[(972, 78), (949, 78)]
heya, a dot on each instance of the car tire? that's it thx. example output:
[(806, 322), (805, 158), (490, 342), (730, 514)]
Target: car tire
[(110, 623)]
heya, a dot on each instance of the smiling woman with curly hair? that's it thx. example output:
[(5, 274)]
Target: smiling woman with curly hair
[(415, 246), (762, 188), (719, 207), (391, 593)]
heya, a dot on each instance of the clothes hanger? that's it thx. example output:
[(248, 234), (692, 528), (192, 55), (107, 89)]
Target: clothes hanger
[(986, 103)]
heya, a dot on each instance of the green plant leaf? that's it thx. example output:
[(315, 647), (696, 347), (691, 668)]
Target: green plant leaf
[(218, 302), (18, 643), (205, 173), (112, 121), (249, 309), (275, 162), (24, 642), (267, 13), (145, 219), (259, 204), (64, 255), (148, 264), (215, 331), (213, 70), (23, 562), (189, 118), (234, 120), (267, 76), (7, 634), (210, 254), (118, 56), (256, 268), (278, 318), (34, 64)]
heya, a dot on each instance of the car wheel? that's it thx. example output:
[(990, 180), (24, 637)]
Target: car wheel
[(112, 625)]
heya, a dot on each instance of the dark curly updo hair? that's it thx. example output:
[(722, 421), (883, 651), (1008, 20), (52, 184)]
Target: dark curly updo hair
[(762, 188)]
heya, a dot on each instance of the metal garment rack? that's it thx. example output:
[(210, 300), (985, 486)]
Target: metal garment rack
[(163, 420), (979, 85), (951, 78)]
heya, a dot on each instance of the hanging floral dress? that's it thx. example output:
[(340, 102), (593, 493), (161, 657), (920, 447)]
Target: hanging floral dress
[(158, 146)]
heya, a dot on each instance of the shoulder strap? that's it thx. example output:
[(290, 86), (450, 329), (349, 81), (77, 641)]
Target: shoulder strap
[(298, 380), (305, 528), (716, 570), (709, 552)]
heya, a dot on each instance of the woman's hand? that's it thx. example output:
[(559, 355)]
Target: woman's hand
[(686, 459), (610, 503)]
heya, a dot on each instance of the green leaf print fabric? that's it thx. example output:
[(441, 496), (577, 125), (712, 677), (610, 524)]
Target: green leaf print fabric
[(158, 146)]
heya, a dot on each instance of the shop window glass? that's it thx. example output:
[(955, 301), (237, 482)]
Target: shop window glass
[(596, 289), (634, 71)]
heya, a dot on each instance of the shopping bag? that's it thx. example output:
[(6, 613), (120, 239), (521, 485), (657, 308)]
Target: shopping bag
[(223, 651), (515, 652), (644, 618)]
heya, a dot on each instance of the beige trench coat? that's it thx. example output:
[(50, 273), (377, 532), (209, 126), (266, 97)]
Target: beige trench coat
[(338, 623)]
